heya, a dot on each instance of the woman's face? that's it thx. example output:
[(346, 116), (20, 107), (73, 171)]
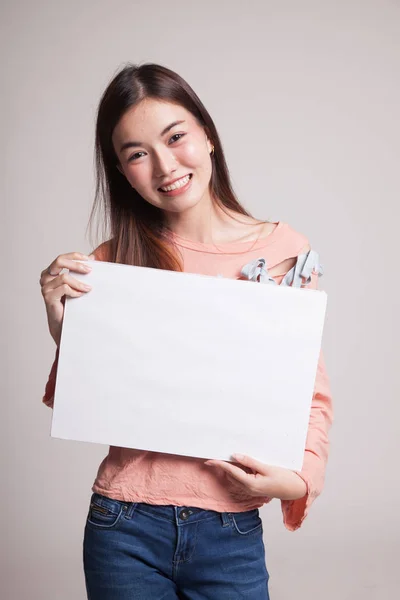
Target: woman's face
[(159, 142)]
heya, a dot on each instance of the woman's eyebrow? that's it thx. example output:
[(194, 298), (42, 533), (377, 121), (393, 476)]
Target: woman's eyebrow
[(164, 131)]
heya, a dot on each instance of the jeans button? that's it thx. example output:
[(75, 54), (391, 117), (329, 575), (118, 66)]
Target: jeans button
[(185, 514)]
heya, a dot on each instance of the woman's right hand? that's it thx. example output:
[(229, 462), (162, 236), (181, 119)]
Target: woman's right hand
[(56, 287)]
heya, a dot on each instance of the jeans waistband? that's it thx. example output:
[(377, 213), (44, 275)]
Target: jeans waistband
[(180, 515)]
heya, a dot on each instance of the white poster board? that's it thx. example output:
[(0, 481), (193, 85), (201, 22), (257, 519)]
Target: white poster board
[(189, 364)]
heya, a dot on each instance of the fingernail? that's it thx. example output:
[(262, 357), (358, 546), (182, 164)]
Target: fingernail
[(87, 287), (238, 456), (91, 257)]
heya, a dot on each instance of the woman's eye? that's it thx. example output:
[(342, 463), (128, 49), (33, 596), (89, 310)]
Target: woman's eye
[(134, 156), (175, 138), (178, 134)]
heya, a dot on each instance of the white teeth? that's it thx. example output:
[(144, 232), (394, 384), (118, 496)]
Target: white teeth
[(177, 184)]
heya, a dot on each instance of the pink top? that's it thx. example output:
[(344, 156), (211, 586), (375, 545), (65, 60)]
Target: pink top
[(156, 478)]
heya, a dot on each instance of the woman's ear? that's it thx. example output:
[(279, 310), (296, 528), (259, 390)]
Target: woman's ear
[(208, 140)]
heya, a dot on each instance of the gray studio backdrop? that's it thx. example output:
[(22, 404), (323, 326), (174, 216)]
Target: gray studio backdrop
[(306, 98)]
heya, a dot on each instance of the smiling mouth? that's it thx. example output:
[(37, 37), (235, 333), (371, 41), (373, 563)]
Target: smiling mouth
[(177, 184)]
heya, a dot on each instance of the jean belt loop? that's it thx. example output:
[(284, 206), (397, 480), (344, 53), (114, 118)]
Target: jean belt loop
[(130, 509), (225, 519)]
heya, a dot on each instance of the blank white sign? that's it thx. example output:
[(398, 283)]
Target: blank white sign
[(189, 364)]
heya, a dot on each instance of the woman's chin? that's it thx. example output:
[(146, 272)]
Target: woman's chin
[(180, 204)]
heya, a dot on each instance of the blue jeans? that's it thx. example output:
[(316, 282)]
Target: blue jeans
[(137, 551)]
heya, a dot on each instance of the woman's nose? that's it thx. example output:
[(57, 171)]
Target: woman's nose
[(165, 163)]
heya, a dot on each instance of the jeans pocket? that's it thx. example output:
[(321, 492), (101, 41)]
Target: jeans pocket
[(104, 512), (248, 522)]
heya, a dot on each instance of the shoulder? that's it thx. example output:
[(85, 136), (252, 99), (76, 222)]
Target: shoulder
[(297, 258), (294, 241), (103, 252)]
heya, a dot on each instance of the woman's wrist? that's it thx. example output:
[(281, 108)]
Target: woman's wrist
[(293, 486), (300, 488)]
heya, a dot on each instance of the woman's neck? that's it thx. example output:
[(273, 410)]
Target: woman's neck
[(210, 224)]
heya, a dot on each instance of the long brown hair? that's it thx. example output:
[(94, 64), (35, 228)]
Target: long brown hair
[(137, 231)]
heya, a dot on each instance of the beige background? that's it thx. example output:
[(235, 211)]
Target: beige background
[(306, 98)]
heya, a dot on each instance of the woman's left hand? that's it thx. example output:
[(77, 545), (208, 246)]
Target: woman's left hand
[(274, 482)]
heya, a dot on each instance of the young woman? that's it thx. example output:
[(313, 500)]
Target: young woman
[(161, 526)]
